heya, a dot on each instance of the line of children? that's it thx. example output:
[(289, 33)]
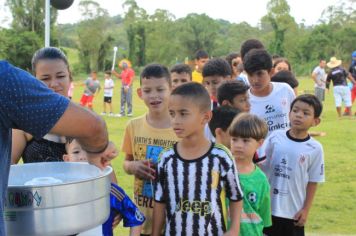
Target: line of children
[(180, 172), (195, 175), (146, 136)]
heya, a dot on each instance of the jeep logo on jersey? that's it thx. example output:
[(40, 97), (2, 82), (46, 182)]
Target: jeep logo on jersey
[(269, 109)]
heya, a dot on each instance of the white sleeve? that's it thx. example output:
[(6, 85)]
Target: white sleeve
[(316, 170), (316, 70), (267, 152)]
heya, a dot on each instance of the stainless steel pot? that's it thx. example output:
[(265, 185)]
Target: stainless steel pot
[(80, 203)]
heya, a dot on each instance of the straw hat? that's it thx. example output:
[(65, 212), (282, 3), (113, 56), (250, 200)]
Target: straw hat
[(333, 62)]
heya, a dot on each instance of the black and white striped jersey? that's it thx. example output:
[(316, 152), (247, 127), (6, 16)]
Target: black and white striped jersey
[(195, 191)]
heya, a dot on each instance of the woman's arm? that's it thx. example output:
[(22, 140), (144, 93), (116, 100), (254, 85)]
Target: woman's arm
[(19, 141)]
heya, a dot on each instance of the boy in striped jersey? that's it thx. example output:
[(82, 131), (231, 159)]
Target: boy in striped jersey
[(195, 176), (120, 203)]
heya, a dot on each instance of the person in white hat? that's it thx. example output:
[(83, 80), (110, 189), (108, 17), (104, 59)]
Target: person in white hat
[(338, 76)]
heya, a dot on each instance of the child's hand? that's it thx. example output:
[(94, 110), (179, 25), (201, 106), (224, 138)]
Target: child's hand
[(143, 169), (103, 159), (301, 217)]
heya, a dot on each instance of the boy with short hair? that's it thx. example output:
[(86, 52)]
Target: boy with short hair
[(194, 176), (294, 165), (108, 92), (120, 203), (220, 123), (269, 100), (146, 136), (92, 87), (201, 57), (247, 46), (235, 94), (180, 74), (215, 71), (247, 133)]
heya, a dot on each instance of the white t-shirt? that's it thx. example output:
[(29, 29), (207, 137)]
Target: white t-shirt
[(290, 164), (320, 76), (275, 107), (108, 88)]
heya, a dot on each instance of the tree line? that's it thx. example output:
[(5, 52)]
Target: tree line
[(162, 38)]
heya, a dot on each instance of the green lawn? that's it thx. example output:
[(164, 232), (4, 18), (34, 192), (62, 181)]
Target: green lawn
[(334, 208)]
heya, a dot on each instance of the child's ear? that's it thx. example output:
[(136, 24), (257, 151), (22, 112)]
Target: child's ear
[(218, 132), (66, 157), (139, 92), (316, 121), (207, 116)]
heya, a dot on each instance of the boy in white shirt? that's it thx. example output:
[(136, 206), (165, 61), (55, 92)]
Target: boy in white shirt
[(108, 92), (294, 166), (269, 100)]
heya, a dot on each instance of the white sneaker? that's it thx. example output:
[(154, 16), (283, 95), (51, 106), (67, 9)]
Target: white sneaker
[(111, 114), (119, 115), (103, 113), (129, 114)]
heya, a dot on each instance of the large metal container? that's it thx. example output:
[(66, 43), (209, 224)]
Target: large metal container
[(79, 203)]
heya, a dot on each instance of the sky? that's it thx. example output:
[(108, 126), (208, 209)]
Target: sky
[(235, 11)]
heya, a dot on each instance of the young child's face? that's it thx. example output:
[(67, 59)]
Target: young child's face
[(55, 74), (302, 116), (244, 148), (201, 62), (186, 117), (212, 83), (155, 93), (75, 153), (241, 102), (106, 76), (178, 79), (260, 82), (93, 75)]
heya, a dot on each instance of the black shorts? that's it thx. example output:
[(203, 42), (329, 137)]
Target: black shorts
[(107, 99), (282, 227)]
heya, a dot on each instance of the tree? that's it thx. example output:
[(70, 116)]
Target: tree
[(18, 47), (92, 33), (163, 45), (198, 32), (28, 15), (280, 21), (135, 23)]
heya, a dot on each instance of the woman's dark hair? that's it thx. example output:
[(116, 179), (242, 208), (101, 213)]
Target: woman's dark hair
[(48, 53), (282, 59)]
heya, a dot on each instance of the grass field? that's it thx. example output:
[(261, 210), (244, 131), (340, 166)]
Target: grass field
[(334, 208)]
